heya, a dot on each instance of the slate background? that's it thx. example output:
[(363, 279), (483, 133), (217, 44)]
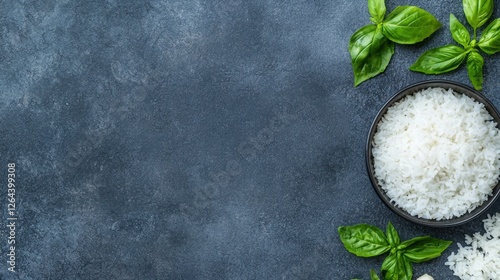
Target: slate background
[(160, 139)]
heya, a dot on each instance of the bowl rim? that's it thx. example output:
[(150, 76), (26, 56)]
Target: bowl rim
[(409, 90)]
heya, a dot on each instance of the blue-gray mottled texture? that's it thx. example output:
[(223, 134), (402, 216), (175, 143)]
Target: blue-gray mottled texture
[(172, 139)]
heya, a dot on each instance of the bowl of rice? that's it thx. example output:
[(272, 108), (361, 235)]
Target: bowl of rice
[(433, 153)]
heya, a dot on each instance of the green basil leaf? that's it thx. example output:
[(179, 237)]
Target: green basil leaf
[(425, 249), (389, 266), (490, 38), (373, 275), (397, 267), (475, 64), (458, 31), (392, 235), (363, 240), (440, 60), (409, 25), (370, 53), (409, 242), (407, 268), (477, 12), (377, 10)]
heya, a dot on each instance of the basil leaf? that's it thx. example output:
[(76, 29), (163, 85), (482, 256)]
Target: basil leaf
[(490, 38), (475, 64), (397, 267), (407, 268), (370, 53), (363, 240), (409, 25), (389, 266), (440, 60), (409, 242), (425, 249), (373, 275), (392, 235), (477, 12), (458, 31), (377, 10)]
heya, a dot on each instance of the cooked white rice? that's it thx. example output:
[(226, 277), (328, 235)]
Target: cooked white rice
[(480, 259), (436, 154)]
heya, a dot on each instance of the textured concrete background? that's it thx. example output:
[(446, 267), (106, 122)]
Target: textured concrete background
[(163, 139)]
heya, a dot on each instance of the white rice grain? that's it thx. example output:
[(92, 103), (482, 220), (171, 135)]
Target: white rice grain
[(480, 258), (436, 153)]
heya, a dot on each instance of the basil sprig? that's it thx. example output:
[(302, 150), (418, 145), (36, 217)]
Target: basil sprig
[(371, 47), (450, 57), (365, 240)]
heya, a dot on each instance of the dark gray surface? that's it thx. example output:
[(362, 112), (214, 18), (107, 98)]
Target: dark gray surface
[(197, 139)]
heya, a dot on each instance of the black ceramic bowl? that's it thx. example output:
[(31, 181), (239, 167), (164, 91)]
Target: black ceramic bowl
[(459, 88)]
